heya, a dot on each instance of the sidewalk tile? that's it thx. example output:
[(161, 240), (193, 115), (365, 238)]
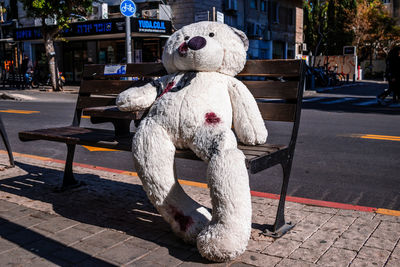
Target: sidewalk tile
[(91, 229), (257, 259), (357, 234), (380, 243), (6, 245), (281, 247), (93, 262), (304, 229), (5, 205), (24, 237), (338, 224), (17, 257), (337, 257), (44, 247), (235, 264), (70, 236), (320, 209), (55, 225), (295, 263), (393, 262), (16, 213), (389, 218), (396, 251), (164, 257), (196, 260), (99, 242), (47, 262), (387, 230), (123, 253), (375, 254), (258, 245), (365, 263), (29, 221), (307, 254), (357, 214)]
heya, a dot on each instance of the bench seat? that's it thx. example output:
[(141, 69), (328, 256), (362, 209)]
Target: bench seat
[(256, 156)]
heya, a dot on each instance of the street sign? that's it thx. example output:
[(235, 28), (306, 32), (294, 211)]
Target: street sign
[(220, 17), (128, 8)]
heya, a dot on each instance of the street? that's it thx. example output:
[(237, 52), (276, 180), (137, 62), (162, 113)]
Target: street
[(347, 149)]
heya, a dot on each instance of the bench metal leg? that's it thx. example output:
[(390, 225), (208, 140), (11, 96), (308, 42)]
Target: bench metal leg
[(69, 180), (280, 227), (6, 143)]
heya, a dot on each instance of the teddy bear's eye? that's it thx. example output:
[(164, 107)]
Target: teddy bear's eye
[(187, 38), (211, 34)]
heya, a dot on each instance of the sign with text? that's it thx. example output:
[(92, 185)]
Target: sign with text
[(97, 27), (114, 69)]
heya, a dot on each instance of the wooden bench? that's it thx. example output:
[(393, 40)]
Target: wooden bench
[(276, 84)]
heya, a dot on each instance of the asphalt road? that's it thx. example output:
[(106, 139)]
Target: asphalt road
[(331, 161)]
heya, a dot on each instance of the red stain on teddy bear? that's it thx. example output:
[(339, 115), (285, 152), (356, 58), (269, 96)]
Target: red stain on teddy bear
[(167, 88), (212, 118), (184, 221)]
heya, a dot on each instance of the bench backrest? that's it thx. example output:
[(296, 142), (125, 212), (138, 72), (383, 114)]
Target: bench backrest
[(277, 86)]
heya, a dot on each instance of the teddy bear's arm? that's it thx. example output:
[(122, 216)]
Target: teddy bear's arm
[(247, 121), (138, 98)]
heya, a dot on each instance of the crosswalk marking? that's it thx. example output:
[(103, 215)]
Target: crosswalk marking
[(313, 99), (366, 103), (340, 100)]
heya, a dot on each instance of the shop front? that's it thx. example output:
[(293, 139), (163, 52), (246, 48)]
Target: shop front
[(100, 42)]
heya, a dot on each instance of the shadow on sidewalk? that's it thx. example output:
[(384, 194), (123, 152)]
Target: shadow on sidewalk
[(102, 202)]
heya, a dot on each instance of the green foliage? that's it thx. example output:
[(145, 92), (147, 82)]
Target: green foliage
[(58, 9), (325, 25)]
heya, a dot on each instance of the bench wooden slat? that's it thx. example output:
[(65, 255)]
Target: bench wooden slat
[(132, 70), (271, 68), (278, 111), (93, 101), (273, 89), (107, 86), (112, 112)]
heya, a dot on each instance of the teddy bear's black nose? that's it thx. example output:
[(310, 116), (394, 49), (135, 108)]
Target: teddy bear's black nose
[(197, 43)]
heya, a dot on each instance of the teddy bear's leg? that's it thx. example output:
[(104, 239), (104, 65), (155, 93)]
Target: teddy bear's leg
[(153, 152), (227, 235)]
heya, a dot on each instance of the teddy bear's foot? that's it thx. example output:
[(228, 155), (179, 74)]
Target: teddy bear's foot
[(228, 233), (221, 243)]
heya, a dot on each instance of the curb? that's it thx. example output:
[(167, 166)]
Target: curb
[(306, 201)]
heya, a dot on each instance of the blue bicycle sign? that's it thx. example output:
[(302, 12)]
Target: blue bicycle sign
[(128, 8)]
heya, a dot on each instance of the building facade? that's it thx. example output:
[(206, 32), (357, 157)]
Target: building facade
[(274, 29), (393, 6)]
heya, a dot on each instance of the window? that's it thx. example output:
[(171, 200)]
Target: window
[(253, 4), (275, 12), (290, 16), (263, 6)]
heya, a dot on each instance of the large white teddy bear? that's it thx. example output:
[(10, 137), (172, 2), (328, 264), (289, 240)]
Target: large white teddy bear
[(194, 107)]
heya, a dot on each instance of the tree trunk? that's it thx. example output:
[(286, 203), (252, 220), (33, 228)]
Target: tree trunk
[(51, 56)]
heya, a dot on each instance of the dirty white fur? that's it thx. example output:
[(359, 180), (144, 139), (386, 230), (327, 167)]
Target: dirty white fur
[(199, 117)]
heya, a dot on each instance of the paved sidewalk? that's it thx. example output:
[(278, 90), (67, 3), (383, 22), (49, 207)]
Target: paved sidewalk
[(110, 222)]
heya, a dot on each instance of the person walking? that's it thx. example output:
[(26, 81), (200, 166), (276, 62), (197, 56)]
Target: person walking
[(392, 75)]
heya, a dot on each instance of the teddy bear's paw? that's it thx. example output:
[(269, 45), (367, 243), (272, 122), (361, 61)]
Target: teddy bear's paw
[(220, 244), (189, 226)]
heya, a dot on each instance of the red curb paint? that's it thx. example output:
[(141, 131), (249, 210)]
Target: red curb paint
[(315, 202)]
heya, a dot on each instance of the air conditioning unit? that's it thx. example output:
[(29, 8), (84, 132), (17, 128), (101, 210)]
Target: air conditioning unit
[(231, 5), (99, 11), (150, 13)]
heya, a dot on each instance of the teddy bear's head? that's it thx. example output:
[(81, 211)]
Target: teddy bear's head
[(206, 46)]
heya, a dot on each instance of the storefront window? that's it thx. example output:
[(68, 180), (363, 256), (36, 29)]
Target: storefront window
[(111, 52)]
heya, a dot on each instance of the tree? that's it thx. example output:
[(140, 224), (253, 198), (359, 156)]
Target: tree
[(375, 31), (61, 11)]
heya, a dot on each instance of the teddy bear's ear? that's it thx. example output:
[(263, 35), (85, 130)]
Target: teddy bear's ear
[(242, 36)]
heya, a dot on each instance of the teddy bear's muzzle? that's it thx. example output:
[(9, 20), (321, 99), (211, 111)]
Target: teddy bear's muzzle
[(182, 49)]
